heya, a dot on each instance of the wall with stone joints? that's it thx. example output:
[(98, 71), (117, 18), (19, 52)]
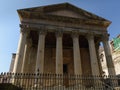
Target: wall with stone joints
[(86, 64)]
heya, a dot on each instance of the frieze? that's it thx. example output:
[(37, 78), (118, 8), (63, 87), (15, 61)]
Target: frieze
[(54, 28), (63, 24)]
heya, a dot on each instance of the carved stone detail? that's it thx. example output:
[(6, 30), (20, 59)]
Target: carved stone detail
[(59, 33), (105, 37), (43, 32), (75, 34), (23, 30), (90, 35)]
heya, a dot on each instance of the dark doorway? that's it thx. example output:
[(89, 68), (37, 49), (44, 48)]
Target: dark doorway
[(65, 78), (65, 69)]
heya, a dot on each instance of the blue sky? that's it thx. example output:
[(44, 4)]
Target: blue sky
[(9, 21)]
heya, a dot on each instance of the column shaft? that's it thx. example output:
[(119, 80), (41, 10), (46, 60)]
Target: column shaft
[(76, 54), (110, 65), (23, 64), (20, 51), (40, 52), (26, 56), (93, 56), (59, 54)]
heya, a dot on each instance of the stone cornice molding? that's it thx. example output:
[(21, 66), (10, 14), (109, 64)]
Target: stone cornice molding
[(30, 15)]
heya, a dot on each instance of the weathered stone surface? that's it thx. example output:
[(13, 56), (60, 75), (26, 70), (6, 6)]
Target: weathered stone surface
[(60, 53)]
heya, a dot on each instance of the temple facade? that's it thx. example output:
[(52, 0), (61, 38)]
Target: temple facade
[(61, 39)]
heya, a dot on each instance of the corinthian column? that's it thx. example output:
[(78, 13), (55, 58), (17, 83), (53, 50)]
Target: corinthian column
[(40, 52), (20, 52), (59, 53), (93, 56), (77, 57), (110, 65), (26, 56)]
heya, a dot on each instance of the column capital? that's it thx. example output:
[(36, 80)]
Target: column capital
[(59, 33), (75, 34), (90, 36), (105, 37), (42, 32), (24, 25), (22, 30)]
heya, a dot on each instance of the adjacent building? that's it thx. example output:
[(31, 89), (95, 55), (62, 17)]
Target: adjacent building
[(115, 51)]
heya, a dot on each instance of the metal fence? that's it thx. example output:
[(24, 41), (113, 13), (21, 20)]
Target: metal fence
[(31, 81)]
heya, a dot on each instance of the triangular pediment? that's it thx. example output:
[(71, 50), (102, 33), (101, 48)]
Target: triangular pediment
[(67, 13), (64, 10)]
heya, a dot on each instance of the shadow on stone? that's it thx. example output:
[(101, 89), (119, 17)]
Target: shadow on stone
[(8, 86)]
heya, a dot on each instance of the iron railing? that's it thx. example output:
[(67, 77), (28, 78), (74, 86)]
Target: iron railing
[(31, 81)]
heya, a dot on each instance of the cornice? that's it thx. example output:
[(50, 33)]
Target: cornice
[(64, 19)]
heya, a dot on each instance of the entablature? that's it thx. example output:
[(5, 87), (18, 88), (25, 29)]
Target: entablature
[(62, 19), (55, 28)]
